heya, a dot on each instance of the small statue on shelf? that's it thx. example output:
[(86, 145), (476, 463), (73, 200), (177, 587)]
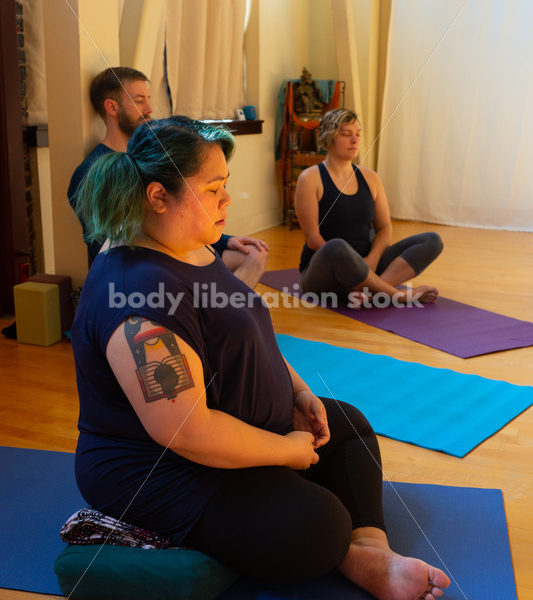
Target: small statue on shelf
[(307, 99)]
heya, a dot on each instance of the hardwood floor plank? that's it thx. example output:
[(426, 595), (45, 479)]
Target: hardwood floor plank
[(489, 269)]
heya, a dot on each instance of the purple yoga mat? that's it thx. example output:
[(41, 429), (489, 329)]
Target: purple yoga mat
[(447, 325)]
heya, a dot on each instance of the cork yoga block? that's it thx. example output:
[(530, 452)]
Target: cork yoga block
[(37, 313), (66, 307)]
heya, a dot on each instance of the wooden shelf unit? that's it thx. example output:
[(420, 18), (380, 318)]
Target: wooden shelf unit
[(300, 149)]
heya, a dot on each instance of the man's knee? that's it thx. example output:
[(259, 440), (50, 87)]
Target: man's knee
[(257, 258), (255, 261)]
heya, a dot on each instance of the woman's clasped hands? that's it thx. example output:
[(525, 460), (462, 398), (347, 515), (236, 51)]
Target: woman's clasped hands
[(311, 429)]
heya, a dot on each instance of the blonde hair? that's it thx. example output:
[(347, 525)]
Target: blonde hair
[(331, 124)]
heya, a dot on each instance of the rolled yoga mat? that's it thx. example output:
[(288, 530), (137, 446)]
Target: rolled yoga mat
[(461, 530), (447, 325), (434, 408)]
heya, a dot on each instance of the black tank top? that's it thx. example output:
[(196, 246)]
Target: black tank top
[(349, 217)]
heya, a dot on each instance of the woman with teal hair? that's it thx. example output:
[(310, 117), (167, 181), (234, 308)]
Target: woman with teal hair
[(191, 423)]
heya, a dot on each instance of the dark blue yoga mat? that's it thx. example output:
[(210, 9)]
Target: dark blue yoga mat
[(462, 530), (434, 408), (38, 495), (447, 325)]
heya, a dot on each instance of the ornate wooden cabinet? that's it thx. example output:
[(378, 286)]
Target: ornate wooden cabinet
[(302, 112)]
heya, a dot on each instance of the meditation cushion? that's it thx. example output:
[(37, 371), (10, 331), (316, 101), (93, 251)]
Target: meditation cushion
[(124, 573)]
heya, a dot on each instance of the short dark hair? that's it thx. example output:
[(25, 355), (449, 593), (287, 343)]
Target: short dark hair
[(109, 84)]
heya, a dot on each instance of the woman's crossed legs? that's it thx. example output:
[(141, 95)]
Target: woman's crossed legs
[(337, 267), (276, 524)]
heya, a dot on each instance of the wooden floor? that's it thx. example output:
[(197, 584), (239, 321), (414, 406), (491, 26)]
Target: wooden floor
[(489, 269)]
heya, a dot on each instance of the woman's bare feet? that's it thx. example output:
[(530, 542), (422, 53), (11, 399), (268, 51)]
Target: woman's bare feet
[(423, 293), (372, 565), (358, 299), (365, 298)]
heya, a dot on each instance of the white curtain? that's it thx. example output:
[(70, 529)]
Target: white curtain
[(459, 90), (204, 49), (361, 29), (349, 64), (204, 44), (158, 85)]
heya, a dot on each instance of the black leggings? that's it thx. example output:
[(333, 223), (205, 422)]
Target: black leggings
[(277, 524), (337, 267)]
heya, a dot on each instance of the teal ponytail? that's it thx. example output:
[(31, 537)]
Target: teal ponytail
[(111, 199)]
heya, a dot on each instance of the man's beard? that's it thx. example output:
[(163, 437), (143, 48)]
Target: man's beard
[(127, 125)]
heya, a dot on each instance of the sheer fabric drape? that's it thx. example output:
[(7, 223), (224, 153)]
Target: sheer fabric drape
[(457, 149), (191, 50), (360, 31), (204, 53)]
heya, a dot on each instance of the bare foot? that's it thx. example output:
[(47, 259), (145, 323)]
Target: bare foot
[(390, 576), (423, 293), (358, 299)]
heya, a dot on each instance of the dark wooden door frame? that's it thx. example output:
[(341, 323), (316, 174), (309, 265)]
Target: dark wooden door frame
[(13, 229)]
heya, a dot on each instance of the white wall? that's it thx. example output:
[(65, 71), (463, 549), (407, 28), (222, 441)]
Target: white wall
[(283, 37), (288, 34), (75, 46), (322, 57), (47, 216), (280, 36)]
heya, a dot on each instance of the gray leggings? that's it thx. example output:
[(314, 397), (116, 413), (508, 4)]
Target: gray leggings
[(337, 267)]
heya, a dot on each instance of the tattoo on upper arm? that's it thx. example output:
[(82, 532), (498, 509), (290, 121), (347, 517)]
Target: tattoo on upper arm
[(162, 370)]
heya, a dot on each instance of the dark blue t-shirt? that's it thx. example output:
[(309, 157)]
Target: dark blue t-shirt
[(230, 329), (75, 181)]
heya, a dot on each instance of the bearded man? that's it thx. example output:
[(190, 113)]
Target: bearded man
[(121, 96)]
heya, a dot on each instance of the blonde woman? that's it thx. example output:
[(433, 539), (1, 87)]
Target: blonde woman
[(344, 214)]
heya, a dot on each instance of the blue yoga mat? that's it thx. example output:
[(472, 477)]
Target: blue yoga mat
[(38, 495), (461, 530), (434, 408)]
